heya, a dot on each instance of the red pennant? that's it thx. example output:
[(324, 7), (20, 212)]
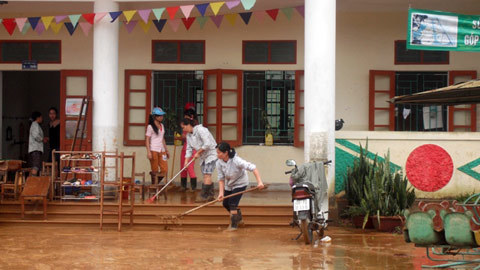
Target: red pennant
[(89, 17), (188, 22), (10, 25), (172, 11), (273, 13)]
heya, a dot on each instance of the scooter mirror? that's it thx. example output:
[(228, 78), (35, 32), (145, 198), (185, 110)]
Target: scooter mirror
[(290, 162)]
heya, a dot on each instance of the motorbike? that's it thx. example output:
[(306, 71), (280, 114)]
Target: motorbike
[(307, 215)]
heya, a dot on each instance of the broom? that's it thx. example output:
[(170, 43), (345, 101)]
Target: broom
[(152, 199)]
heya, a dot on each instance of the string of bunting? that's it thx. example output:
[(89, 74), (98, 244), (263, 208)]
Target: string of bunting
[(86, 21)]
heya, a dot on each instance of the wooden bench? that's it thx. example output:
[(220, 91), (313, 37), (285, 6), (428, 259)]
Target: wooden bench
[(35, 187)]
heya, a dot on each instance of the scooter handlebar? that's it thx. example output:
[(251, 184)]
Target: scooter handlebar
[(288, 172)]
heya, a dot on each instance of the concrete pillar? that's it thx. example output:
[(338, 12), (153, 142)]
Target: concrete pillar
[(105, 79), (320, 83)]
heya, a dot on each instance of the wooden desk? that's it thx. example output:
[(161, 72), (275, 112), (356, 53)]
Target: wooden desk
[(36, 187)]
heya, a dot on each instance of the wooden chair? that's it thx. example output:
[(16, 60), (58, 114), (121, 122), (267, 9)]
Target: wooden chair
[(15, 186), (140, 187), (155, 186), (47, 168), (35, 187)]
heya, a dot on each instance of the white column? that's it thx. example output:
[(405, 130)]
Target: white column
[(105, 79), (319, 119)]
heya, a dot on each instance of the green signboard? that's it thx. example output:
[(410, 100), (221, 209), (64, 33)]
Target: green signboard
[(442, 31)]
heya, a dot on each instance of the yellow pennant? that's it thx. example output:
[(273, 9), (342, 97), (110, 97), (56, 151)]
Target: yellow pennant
[(145, 26), (216, 7), (231, 18), (129, 14), (47, 20), (56, 27)]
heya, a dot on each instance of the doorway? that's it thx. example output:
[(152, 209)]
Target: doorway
[(24, 92)]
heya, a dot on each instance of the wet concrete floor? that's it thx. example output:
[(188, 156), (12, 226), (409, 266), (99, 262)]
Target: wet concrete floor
[(40, 246)]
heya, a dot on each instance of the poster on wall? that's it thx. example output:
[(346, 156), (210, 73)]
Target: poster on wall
[(442, 31), (73, 106)]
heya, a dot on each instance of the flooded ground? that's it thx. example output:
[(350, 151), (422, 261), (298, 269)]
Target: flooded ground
[(40, 246)]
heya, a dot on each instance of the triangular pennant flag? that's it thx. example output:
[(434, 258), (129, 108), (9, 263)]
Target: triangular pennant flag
[(89, 17), (129, 14), (130, 25), (217, 20), (144, 14), (215, 6), (301, 10), (201, 21), (172, 11), (20, 23), (188, 22), (231, 18), (9, 25), (33, 21), (40, 28), (174, 24), (288, 12), (232, 4), (202, 8), (71, 29), (114, 15), (25, 28), (145, 26), (248, 4), (56, 27), (186, 10), (86, 26), (99, 16), (74, 19), (246, 17), (260, 15), (159, 24), (158, 12), (272, 13), (46, 21), (60, 18)]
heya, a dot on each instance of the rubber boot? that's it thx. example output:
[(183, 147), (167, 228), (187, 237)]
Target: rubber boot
[(183, 183), (193, 183), (153, 175), (240, 218), (234, 223), (203, 194), (210, 193)]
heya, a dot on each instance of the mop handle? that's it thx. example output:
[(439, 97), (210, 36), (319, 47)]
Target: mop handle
[(217, 200), (186, 166)]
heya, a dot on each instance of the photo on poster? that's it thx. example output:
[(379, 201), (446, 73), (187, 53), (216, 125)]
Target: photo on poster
[(73, 106), (433, 30)]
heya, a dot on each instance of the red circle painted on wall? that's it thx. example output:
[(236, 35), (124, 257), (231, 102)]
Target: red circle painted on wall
[(429, 167)]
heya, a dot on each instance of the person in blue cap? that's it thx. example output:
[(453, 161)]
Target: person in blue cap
[(157, 151)]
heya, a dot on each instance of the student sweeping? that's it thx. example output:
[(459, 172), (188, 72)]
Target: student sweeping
[(188, 113), (157, 151), (200, 139), (233, 178)]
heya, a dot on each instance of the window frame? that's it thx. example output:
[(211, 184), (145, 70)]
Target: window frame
[(30, 51), (269, 60), (178, 42), (422, 62)]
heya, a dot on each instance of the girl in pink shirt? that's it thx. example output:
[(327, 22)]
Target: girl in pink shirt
[(157, 151)]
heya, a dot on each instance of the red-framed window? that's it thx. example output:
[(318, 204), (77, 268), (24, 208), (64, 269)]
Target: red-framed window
[(468, 111), (269, 52), (178, 51), (42, 51), (403, 56), (137, 106)]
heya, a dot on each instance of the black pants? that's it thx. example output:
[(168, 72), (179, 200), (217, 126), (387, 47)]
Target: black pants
[(232, 203)]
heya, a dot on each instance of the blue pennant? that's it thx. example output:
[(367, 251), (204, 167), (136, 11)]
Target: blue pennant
[(70, 27), (202, 8), (114, 15), (246, 16), (159, 24), (34, 21)]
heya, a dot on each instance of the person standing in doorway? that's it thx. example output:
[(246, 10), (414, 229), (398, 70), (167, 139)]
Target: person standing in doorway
[(188, 113), (233, 178), (157, 151), (53, 133), (35, 143), (201, 140)]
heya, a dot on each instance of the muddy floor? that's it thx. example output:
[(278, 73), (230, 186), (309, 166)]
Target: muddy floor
[(39, 246)]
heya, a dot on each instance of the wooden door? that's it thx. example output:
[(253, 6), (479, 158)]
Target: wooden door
[(75, 85), (381, 114)]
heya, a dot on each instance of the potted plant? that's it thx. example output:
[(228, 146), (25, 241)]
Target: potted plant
[(268, 129), (171, 123)]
